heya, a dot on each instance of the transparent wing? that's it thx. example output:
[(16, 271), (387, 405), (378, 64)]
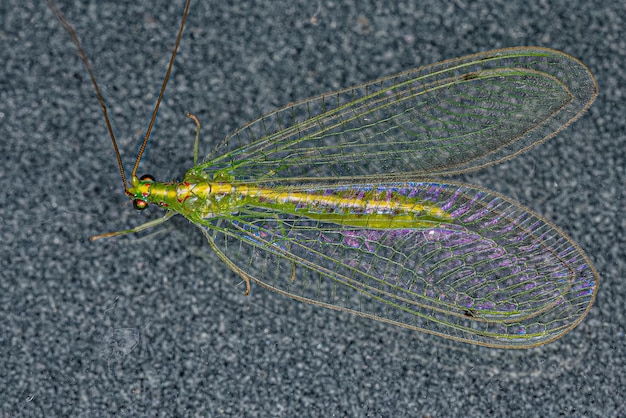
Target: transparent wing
[(499, 275), (445, 118)]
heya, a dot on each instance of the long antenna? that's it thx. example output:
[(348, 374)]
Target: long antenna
[(158, 103), (83, 57)]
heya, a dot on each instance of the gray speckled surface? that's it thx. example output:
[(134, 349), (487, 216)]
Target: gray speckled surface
[(159, 327)]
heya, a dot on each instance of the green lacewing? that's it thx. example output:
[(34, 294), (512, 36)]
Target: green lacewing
[(336, 201)]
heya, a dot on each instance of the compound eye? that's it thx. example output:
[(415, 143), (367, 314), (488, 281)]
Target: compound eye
[(147, 177), (140, 204)]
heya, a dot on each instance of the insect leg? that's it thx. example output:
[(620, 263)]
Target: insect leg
[(139, 228), (196, 143), (245, 276)]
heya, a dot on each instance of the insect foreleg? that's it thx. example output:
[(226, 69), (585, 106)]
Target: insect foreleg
[(196, 143), (139, 228)]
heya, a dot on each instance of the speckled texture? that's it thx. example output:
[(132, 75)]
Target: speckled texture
[(158, 327)]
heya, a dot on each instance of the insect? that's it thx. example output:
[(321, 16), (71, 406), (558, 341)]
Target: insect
[(337, 200)]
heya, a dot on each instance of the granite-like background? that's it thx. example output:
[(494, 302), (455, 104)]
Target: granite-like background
[(159, 327)]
